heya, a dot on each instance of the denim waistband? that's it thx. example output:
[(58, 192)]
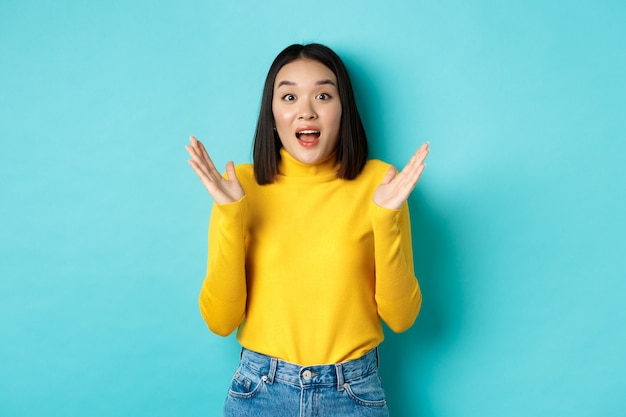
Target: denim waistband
[(336, 374)]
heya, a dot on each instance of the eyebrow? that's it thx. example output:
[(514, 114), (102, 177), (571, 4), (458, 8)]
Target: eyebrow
[(321, 82)]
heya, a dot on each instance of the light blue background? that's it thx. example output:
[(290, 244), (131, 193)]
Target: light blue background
[(518, 220)]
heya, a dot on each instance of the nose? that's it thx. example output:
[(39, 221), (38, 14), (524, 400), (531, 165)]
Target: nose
[(306, 110)]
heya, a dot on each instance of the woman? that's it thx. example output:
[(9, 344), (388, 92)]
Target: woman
[(309, 248)]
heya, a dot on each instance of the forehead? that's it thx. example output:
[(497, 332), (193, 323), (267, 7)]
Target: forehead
[(303, 72)]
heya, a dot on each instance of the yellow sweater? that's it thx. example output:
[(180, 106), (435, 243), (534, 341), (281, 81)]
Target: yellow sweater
[(307, 266)]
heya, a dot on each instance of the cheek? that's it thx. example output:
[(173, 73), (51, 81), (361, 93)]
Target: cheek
[(282, 116), (336, 118), (281, 123)]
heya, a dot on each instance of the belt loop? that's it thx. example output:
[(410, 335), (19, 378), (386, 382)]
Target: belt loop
[(272, 372), (340, 380), (377, 362)]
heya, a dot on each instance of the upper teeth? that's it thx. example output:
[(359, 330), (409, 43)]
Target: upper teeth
[(308, 132)]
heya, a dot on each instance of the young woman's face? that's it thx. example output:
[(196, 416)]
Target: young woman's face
[(307, 110)]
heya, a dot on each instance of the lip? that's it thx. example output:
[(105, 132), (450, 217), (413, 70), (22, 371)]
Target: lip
[(309, 143), (307, 127)]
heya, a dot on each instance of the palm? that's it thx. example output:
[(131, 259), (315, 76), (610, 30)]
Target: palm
[(223, 190), (394, 189)]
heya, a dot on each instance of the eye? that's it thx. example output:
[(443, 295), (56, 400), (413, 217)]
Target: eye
[(323, 96), (289, 97)]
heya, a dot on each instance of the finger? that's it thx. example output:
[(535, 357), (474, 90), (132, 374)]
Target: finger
[(194, 147), (202, 150), (208, 161), (418, 173), (413, 172), (202, 153), (423, 152), (195, 144), (201, 174), (201, 156), (390, 175), (199, 148), (412, 165), (212, 186), (230, 171), (416, 160), (410, 174), (199, 162)]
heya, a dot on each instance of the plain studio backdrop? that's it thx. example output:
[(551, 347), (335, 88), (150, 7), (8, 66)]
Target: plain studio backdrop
[(518, 221)]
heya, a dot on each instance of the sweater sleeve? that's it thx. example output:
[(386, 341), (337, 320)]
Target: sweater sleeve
[(398, 295), (224, 292)]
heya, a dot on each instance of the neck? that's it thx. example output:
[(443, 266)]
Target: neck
[(291, 167)]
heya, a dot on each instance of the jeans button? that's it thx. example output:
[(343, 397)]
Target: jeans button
[(306, 375)]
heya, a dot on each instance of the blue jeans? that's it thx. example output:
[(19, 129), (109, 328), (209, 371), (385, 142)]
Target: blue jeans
[(268, 387)]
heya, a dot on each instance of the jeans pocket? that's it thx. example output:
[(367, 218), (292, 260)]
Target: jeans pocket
[(367, 391), (245, 384)]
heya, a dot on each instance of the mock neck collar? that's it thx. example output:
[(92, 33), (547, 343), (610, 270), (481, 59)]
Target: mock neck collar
[(288, 166)]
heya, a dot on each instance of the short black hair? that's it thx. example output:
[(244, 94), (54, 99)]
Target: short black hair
[(352, 149)]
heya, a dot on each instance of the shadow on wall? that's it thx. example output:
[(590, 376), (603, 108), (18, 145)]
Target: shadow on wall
[(409, 360)]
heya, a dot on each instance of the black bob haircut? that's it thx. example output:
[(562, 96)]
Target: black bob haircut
[(352, 150)]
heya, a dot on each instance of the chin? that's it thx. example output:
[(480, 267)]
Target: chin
[(308, 159)]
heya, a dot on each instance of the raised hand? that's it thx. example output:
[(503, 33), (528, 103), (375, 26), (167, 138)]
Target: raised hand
[(394, 189), (223, 190)]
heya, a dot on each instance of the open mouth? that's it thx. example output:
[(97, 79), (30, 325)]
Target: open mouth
[(308, 135)]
